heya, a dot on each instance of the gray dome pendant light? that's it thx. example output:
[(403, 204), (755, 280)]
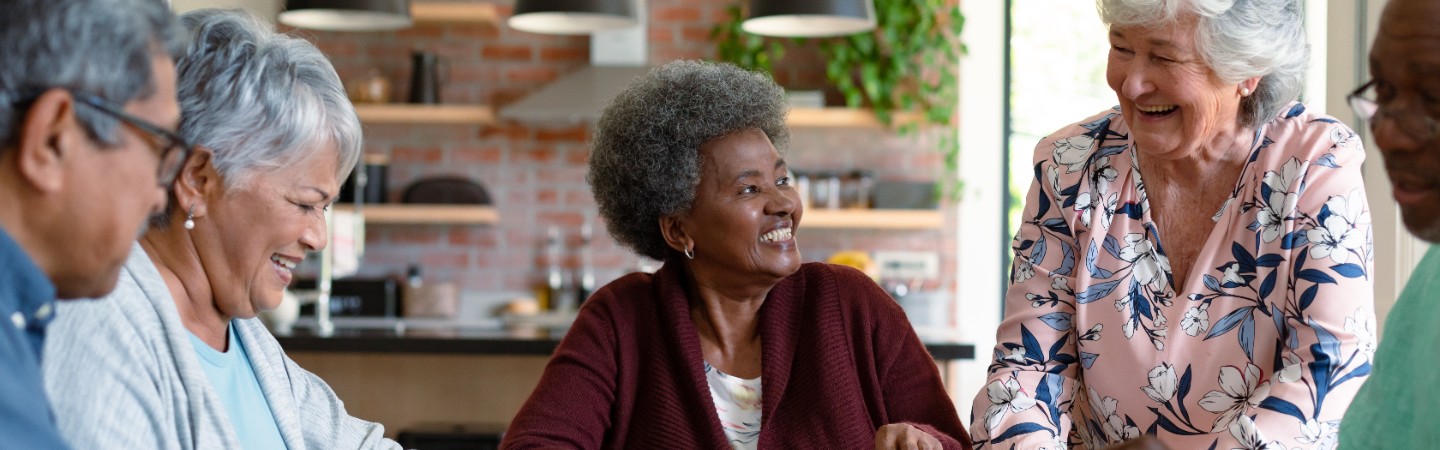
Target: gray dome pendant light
[(571, 16), (347, 15), (809, 18)]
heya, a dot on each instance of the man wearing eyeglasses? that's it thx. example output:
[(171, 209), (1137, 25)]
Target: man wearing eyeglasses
[(1398, 406), (87, 99)]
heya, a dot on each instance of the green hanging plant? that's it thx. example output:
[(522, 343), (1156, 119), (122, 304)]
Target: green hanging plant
[(906, 65)]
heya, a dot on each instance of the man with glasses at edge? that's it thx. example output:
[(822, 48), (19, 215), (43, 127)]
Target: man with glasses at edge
[(1397, 407), (87, 96)]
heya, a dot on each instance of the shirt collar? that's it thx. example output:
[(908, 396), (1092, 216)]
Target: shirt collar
[(24, 288)]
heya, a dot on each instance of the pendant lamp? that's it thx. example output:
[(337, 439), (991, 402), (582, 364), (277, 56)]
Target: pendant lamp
[(347, 15), (571, 16), (809, 18)]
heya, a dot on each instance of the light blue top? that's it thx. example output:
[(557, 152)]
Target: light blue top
[(235, 383), (1397, 407)]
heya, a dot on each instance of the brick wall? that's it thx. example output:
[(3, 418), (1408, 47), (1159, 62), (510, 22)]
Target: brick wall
[(536, 174)]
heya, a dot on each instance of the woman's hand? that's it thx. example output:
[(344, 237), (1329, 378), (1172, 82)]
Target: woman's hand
[(899, 436)]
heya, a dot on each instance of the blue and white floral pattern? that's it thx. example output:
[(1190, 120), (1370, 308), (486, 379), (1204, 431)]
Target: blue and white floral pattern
[(1273, 329)]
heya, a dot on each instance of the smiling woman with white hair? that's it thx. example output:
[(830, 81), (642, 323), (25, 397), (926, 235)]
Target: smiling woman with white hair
[(1193, 264), (175, 354)]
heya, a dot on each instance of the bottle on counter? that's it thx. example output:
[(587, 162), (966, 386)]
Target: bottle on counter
[(555, 298), (587, 264)]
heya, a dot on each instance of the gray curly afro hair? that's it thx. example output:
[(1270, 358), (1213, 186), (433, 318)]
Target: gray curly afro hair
[(645, 158)]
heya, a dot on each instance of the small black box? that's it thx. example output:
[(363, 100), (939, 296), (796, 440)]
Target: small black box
[(372, 297)]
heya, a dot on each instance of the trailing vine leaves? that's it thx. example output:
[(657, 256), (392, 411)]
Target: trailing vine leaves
[(907, 64)]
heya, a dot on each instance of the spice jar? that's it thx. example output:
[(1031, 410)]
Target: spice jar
[(855, 189), (825, 190)]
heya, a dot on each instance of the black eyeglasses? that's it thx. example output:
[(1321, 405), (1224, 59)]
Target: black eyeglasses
[(1417, 125), (173, 150)]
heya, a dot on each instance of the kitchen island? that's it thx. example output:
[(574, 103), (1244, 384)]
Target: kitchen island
[(405, 373)]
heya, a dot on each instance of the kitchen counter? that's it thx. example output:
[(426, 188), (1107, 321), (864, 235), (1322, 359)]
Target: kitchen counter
[(383, 336)]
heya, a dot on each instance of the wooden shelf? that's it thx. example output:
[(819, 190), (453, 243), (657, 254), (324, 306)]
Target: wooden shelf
[(876, 219), (428, 214), (840, 117), (401, 113), (461, 13)]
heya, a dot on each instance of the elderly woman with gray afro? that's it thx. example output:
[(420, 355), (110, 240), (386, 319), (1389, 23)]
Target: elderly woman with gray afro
[(735, 343), (175, 355), (1194, 264)]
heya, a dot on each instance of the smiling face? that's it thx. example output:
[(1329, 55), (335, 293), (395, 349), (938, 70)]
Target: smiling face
[(1172, 100), (253, 235), (745, 213), (1405, 63)]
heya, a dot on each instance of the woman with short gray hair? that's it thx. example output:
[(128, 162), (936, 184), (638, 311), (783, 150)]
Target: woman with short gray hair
[(687, 168), (176, 354), (1193, 264)]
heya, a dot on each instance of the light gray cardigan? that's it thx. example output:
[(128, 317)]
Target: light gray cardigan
[(121, 372)]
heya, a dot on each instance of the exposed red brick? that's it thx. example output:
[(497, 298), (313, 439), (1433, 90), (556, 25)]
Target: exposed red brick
[(538, 75), (565, 54), (562, 219), (507, 130), (483, 237), (445, 258), (415, 155), (409, 235), (676, 14), (578, 158), (489, 155), (660, 35), (507, 52), (535, 155), (695, 33), (420, 30), (577, 133), (472, 32)]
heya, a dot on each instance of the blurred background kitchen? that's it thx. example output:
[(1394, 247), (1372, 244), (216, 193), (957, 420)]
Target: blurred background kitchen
[(478, 236)]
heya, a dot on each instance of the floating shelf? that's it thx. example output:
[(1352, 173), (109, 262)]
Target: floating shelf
[(840, 117), (400, 113), (463, 13), (428, 214), (875, 219)]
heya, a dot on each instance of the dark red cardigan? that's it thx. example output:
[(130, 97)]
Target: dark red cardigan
[(839, 360)]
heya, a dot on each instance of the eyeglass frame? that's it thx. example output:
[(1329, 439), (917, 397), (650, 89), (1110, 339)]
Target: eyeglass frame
[(1368, 109), (169, 139)]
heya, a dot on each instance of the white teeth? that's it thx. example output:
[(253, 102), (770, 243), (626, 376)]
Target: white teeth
[(1156, 109), (282, 262), (782, 234)]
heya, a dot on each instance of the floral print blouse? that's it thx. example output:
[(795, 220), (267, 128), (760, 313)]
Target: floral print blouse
[(737, 402), (1263, 347)]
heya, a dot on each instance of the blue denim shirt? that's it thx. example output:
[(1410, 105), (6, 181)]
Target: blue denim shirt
[(27, 303)]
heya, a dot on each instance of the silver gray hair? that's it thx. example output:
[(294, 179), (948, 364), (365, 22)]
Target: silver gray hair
[(1238, 39), (260, 100), (103, 48), (645, 157)]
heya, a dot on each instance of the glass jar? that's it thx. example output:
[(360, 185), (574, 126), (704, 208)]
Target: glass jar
[(855, 189), (801, 182), (825, 190)]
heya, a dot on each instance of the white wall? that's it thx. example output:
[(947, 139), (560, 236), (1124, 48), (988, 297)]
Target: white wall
[(982, 165)]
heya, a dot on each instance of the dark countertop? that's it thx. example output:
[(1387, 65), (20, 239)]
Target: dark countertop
[(480, 341)]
